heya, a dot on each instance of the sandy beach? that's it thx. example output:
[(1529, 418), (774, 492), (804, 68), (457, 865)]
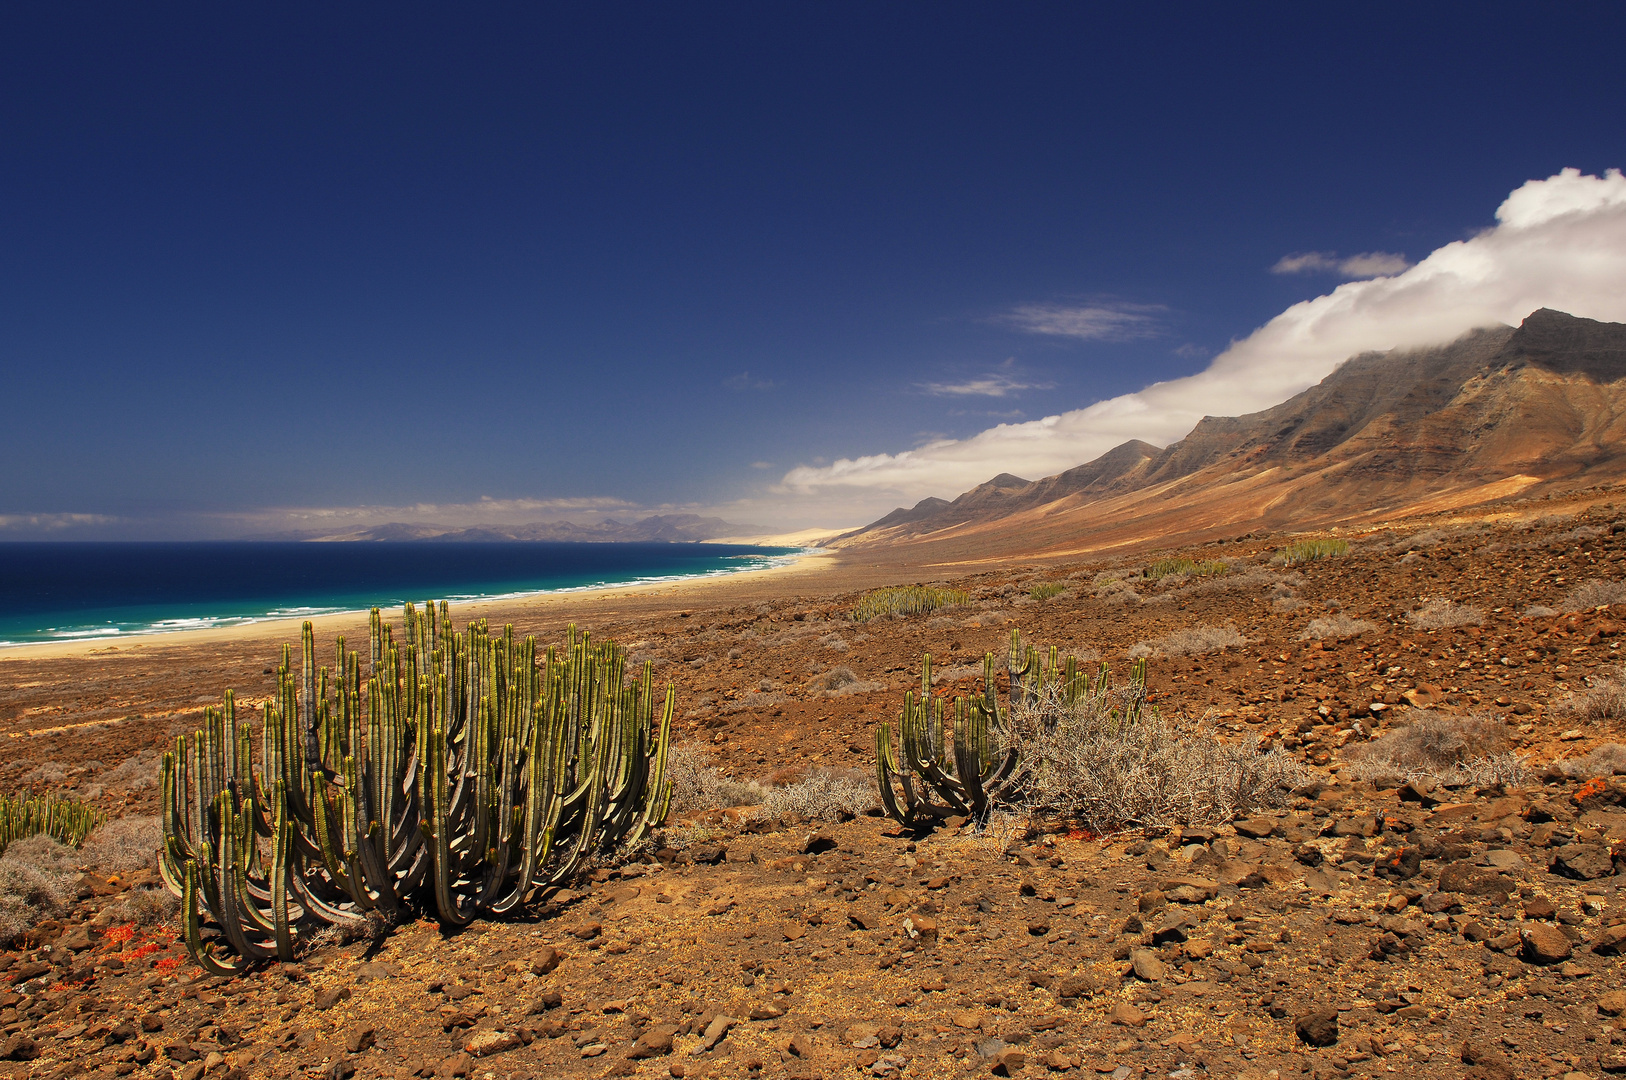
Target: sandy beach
[(815, 569)]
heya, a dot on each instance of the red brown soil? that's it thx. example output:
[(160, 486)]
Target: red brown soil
[(1029, 938)]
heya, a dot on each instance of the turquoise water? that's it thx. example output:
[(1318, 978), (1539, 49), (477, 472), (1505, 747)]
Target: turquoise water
[(56, 592)]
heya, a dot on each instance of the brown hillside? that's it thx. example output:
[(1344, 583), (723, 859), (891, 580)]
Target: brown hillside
[(1497, 414)]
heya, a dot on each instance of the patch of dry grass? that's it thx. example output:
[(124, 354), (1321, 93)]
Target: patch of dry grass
[(1192, 641), (1452, 749), (1604, 702), (1440, 613), (819, 795), (1089, 765), (1606, 760), (1595, 593), (841, 682), (124, 844), (37, 877), (1336, 626)]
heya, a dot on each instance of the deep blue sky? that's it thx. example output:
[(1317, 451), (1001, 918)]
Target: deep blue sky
[(342, 255)]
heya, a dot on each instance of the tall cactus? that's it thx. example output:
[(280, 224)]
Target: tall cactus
[(977, 771), (469, 775)]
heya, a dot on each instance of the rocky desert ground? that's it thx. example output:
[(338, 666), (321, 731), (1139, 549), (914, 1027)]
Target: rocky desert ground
[(1437, 896)]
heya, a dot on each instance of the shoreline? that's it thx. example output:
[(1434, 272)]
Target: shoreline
[(810, 561)]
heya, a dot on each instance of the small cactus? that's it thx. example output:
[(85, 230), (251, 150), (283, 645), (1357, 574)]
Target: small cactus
[(68, 820)]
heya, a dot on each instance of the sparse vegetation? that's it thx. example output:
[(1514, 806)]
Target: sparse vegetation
[(1451, 749), (1336, 626), (1185, 568), (1593, 594), (1046, 590), (840, 682), (906, 600), (124, 844), (1310, 550), (37, 876), (1440, 613), (819, 795), (1604, 702), (1093, 766), (1192, 641), (1608, 759)]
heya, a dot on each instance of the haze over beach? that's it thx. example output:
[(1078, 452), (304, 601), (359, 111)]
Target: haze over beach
[(826, 542)]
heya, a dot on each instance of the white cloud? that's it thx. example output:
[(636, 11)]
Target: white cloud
[(995, 384), (1367, 264), (51, 523), (1558, 242), (1105, 321), (746, 381)]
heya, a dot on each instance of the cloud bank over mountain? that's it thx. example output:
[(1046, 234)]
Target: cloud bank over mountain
[(1558, 242)]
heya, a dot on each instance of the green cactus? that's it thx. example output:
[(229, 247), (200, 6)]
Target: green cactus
[(68, 820), (980, 772), (465, 773)]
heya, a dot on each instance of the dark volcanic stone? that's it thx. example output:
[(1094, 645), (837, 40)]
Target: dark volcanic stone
[(1319, 1028)]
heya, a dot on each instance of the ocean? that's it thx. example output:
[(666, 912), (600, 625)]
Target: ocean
[(75, 591)]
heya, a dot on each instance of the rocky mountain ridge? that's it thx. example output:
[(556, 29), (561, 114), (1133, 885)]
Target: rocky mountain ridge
[(1497, 414)]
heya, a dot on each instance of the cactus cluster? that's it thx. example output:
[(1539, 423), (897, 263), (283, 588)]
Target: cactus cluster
[(69, 820), (906, 600), (463, 774), (971, 768)]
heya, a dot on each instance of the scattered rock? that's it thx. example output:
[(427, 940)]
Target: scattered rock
[(1318, 1028), (329, 996), (1127, 1015), (1545, 944), (655, 1042), (486, 1043), (360, 1038)]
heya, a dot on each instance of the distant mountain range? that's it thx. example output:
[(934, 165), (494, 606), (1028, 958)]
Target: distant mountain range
[(1501, 413), (670, 528)]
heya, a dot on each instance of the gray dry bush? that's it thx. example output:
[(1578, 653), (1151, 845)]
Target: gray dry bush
[(123, 845), (37, 878), (1336, 626), (133, 773), (1539, 611), (1601, 703), (824, 795), (1451, 749), (697, 787), (834, 641), (1192, 641), (1440, 613), (821, 795), (1092, 767), (1593, 594), (841, 682), (1606, 760), (756, 699)]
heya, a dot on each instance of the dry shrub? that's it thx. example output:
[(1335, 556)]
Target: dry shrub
[(697, 787), (1539, 611), (756, 699), (1089, 765), (123, 845), (841, 682), (1117, 592), (820, 795), (1602, 702), (37, 878), (824, 795), (834, 641), (133, 773), (1192, 641), (374, 925), (1451, 749), (1254, 580), (1606, 760), (1593, 594), (1440, 613), (992, 617), (149, 907), (1336, 626)]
